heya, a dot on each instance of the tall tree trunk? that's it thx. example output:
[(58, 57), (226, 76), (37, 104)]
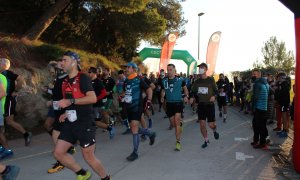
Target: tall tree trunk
[(35, 32)]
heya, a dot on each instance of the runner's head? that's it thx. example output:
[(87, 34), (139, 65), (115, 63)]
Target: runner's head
[(93, 73), (131, 68), (106, 72), (202, 68), (221, 76), (70, 62), (5, 64), (256, 73), (162, 73), (171, 70), (121, 74)]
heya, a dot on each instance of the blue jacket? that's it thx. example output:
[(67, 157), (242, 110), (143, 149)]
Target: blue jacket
[(260, 94)]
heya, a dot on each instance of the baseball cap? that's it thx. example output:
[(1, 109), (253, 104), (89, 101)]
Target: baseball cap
[(202, 65), (131, 64)]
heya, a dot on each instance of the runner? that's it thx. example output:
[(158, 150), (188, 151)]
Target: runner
[(109, 84), (146, 107), (56, 125), (77, 121), (205, 88), (172, 89), (14, 83), (133, 88), (5, 152), (120, 90), (222, 96), (100, 93)]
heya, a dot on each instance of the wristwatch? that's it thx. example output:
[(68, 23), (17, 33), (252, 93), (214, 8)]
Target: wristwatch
[(72, 101)]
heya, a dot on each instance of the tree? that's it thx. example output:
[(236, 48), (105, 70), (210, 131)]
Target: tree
[(45, 20), (275, 56)]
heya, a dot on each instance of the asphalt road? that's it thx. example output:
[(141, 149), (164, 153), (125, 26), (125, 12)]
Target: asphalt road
[(231, 157)]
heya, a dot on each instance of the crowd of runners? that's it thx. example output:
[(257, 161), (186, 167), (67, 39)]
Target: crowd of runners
[(79, 102)]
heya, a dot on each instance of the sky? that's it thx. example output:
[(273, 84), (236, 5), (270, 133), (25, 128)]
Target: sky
[(245, 25)]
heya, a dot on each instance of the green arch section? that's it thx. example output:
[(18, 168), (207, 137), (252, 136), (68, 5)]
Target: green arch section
[(183, 55)]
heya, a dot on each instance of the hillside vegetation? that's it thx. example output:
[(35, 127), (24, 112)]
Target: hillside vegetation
[(30, 61)]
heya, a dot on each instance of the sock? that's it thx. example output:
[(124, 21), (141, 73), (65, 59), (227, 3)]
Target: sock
[(206, 139), (136, 142), (26, 134), (81, 172), (145, 131), (225, 116), (6, 170)]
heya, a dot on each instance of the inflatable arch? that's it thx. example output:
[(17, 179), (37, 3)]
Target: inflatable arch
[(182, 55)]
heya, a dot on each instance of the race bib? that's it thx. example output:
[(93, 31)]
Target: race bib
[(71, 115), (128, 98), (222, 94), (203, 90), (55, 105), (104, 100)]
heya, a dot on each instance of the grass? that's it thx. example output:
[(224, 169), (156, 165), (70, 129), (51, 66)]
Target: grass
[(41, 51)]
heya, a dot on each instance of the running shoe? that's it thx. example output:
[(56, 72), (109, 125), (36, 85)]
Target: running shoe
[(12, 174), (170, 127), (270, 122), (87, 176), (216, 135), (152, 138), (254, 143), (71, 150), (205, 144), (127, 131), (2, 149), (283, 134), (143, 138), (224, 120), (56, 168), (107, 178), (112, 132), (178, 146), (6, 154), (261, 146), (133, 156), (28, 139)]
